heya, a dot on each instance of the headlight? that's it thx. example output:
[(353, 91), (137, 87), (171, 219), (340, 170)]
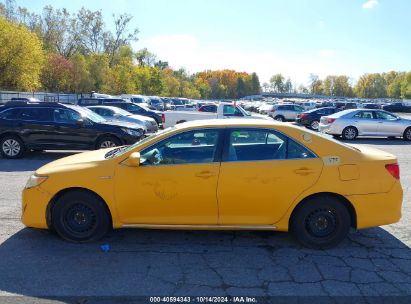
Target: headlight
[(34, 181), (132, 132)]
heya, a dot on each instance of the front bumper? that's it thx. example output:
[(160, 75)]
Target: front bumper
[(34, 207)]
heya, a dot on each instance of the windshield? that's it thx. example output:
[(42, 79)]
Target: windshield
[(124, 149), (121, 112), (243, 111), (87, 113)]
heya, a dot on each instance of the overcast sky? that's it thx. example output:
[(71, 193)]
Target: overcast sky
[(293, 37)]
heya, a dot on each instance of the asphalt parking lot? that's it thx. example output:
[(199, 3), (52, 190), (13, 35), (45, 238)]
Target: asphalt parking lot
[(148, 262)]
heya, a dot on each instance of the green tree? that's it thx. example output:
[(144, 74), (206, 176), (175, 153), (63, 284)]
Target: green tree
[(21, 57), (277, 83), (255, 84), (371, 86), (406, 86), (316, 85)]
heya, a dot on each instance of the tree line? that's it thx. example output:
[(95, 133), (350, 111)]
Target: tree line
[(59, 51), (392, 85)]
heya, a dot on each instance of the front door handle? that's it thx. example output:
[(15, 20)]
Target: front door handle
[(304, 171), (205, 174)]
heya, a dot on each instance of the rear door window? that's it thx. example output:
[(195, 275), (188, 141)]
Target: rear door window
[(364, 115), (37, 114), (258, 144)]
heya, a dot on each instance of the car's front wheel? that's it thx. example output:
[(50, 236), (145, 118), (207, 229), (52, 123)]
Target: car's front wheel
[(79, 216), (108, 142), (320, 222), (12, 147), (279, 118), (350, 133)]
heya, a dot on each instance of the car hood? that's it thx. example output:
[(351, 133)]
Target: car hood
[(140, 117), (122, 124), (85, 160), (260, 116)]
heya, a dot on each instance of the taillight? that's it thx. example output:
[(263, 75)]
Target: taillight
[(302, 115), (163, 118), (394, 170), (330, 120), (272, 110)]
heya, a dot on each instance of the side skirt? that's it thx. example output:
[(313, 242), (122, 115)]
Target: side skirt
[(199, 227)]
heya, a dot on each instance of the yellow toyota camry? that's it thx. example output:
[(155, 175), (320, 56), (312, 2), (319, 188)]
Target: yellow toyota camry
[(219, 174)]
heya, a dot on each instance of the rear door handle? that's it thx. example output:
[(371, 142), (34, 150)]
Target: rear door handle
[(205, 174), (304, 171)]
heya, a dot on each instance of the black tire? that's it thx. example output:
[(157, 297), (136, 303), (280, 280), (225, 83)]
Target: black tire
[(279, 118), (350, 133), (107, 142), (12, 147), (80, 217), (320, 222), (315, 125), (407, 134)]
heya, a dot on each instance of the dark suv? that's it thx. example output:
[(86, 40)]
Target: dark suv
[(54, 126), (131, 107)]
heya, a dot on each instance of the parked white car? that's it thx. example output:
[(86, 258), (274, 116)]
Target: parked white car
[(116, 114), (365, 122), (224, 110)]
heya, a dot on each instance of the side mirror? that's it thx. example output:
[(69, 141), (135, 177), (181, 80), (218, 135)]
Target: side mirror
[(133, 160), (80, 122)]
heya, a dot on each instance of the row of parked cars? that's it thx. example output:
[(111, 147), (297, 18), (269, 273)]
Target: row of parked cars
[(104, 121)]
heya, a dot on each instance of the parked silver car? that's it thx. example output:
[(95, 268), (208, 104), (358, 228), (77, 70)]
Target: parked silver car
[(285, 112), (365, 122), (117, 114)]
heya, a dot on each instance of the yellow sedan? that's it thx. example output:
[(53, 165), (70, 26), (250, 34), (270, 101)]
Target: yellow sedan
[(219, 174)]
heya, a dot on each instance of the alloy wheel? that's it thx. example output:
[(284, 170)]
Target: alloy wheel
[(315, 125), (11, 147), (107, 144), (408, 134), (350, 133)]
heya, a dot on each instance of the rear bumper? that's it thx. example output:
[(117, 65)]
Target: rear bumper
[(378, 209)]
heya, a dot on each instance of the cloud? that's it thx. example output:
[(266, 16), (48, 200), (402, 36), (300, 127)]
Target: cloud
[(369, 4), (183, 50), (326, 53)]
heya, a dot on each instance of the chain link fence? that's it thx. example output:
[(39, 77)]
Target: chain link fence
[(6, 96)]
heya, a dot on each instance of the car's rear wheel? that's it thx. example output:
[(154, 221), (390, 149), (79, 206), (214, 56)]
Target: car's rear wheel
[(315, 124), (350, 133), (108, 142), (407, 134), (80, 216), (320, 222), (279, 118), (12, 147)]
